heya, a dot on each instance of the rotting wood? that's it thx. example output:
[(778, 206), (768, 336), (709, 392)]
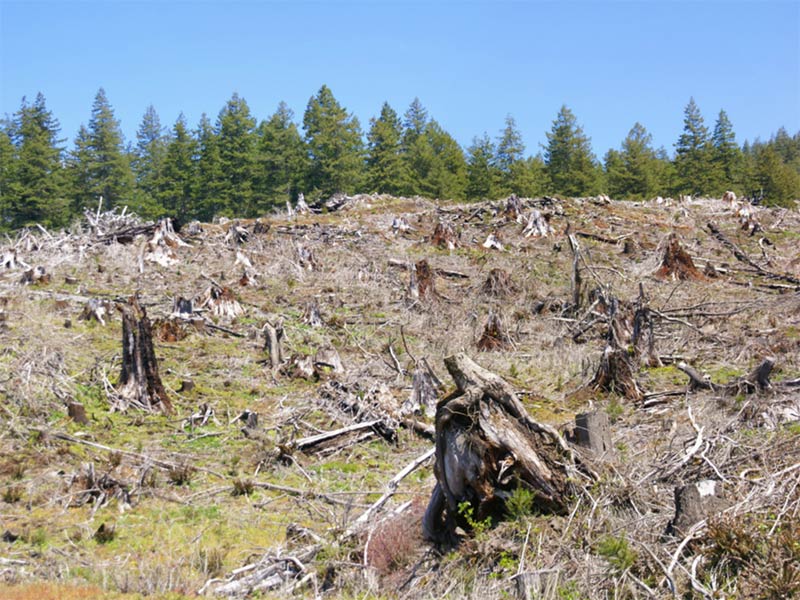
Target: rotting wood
[(139, 384), (487, 445)]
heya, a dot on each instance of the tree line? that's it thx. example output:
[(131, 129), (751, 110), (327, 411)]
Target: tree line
[(238, 166)]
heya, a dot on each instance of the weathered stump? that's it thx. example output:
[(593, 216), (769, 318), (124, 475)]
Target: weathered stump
[(676, 264), (424, 392), (495, 336), (499, 284), (486, 446), (139, 383), (695, 502), (592, 431), (273, 339), (444, 236)]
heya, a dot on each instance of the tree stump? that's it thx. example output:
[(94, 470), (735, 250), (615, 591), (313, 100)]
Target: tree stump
[(695, 502), (96, 310), (221, 301), (494, 335), (486, 446), (592, 432), (444, 236), (424, 392), (538, 225), (676, 264), (499, 284), (139, 383), (273, 338), (77, 412)]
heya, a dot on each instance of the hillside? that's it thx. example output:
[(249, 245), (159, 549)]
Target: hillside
[(210, 497)]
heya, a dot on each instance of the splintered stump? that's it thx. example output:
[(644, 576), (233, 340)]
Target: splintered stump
[(616, 374), (139, 383), (676, 264), (494, 335), (422, 284), (499, 284), (486, 446), (444, 236)]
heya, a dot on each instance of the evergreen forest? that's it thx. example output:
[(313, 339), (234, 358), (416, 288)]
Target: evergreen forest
[(238, 165)]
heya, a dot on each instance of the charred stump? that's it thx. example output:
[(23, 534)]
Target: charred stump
[(676, 264), (486, 446), (139, 383)]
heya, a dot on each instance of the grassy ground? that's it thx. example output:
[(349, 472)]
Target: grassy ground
[(217, 506)]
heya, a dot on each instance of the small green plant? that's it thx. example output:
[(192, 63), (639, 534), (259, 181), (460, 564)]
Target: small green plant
[(617, 552), (568, 591), (520, 503), (614, 409), (479, 527)]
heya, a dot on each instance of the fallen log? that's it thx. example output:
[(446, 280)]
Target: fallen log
[(757, 380), (486, 446)]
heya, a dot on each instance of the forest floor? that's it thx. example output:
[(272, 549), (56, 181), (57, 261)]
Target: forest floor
[(135, 503)]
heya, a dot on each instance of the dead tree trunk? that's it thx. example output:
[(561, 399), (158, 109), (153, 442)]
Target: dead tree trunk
[(273, 336), (486, 446), (139, 383)]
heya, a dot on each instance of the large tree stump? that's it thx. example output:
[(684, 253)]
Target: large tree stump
[(676, 264), (444, 236), (495, 336), (486, 446), (273, 338), (139, 383)]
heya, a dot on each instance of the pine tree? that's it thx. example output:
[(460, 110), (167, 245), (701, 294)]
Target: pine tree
[(571, 166), (209, 181), (387, 170), (148, 163), (105, 170), (633, 172), (482, 175), (531, 178), (415, 120), (335, 145), (176, 191), (779, 182), (446, 172), (236, 141), (282, 160), (726, 156), (8, 164), (37, 190), (510, 150), (693, 154)]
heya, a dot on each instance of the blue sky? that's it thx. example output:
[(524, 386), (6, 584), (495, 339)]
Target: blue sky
[(470, 63)]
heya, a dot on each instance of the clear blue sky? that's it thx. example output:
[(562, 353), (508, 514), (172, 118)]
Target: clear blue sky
[(470, 63)]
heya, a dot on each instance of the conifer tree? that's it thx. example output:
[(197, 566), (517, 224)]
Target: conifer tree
[(445, 169), (571, 166), (415, 120), (693, 154), (236, 141), (387, 170), (282, 160), (633, 172), (779, 182), (510, 151), (8, 164), (335, 145), (209, 180), (148, 163), (482, 175), (726, 156), (176, 192), (36, 192)]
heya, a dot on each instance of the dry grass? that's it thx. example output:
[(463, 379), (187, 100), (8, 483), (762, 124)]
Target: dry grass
[(197, 510)]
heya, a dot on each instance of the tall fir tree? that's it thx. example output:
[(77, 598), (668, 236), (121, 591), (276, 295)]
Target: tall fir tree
[(37, 190), (8, 165), (445, 175), (726, 157), (387, 170), (282, 160), (482, 174), (147, 163), (176, 191), (633, 173), (236, 140), (693, 154), (778, 181), (510, 159), (209, 174), (335, 145), (107, 171), (571, 166)]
